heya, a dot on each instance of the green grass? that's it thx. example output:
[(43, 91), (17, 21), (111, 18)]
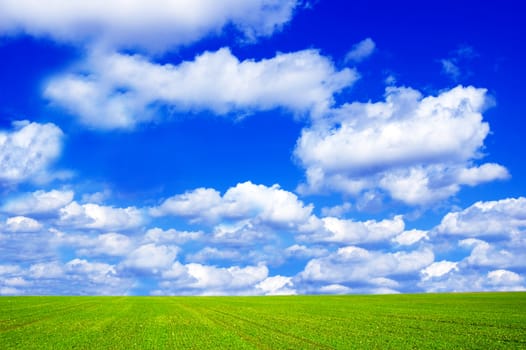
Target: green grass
[(433, 321)]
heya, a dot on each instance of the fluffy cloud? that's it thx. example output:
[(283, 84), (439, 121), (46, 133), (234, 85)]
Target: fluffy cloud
[(86, 278), (22, 224), (211, 280), (417, 149), (361, 51), (504, 278), (410, 237), (111, 244), (157, 235), (153, 25), (277, 285), (150, 258), (38, 202), (438, 269), (94, 216), (357, 232), (28, 151), (301, 251), (503, 218), (358, 265), (118, 91), (473, 280), (259, 203), (498, 255)]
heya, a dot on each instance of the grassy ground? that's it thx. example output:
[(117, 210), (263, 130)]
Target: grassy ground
[(434, 321)]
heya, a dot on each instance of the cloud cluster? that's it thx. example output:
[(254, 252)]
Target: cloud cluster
[(94, 216), (28, 151), (155, 25), (38, 202), (113, 91), (506, 217), (417, 149), (258, 203)]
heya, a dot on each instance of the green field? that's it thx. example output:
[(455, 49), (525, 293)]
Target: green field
[(435, 321)]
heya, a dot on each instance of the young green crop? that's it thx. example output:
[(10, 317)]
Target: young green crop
[(435, 321)]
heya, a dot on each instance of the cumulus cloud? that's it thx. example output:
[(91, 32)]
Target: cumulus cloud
[(212, 280), (85, 277), (494, 255), (28, 151), (501, 218), (112, 91), (417, 149), (94, 216), (277, 285), (212, 253), (38, 202), (259, 203), (150, 258), (111, 244), (504, 278), (438, 269), (410, 237), (474, 280), (157, 235), (154, 25), (335, 289), (361, 266), (361, 51), (22, 224), (302, 251), (348, 231), (357, 232)]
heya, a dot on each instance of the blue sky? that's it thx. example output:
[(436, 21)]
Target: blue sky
[(261, 147)]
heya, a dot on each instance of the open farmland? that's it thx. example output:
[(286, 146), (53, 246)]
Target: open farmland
[(437, 321)]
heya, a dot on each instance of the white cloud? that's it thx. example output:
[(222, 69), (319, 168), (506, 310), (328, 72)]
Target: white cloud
[(157, 235), (113, 91), (504, 278), (83, 277), (484, 254), (474, 280), (418, 149), (9, 269), (212, 253), (301, 251), (335, 289), (337, 210), (504, 218), (354, 264), (241, 233), (94, 216), (277, 285), (361, 51), (46, 270), (151, 258), (259, 203), (356, 232), (10, 291), (22, 224), (216, 280), (153, 25), (38, 202), (112, 244), (28, 151), (438, 269), (410, 237)]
